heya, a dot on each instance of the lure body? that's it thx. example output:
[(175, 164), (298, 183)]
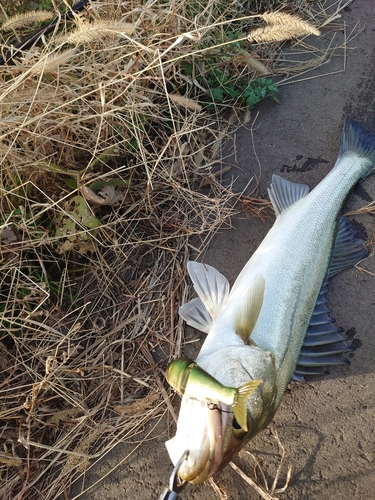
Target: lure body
[(191, 381)]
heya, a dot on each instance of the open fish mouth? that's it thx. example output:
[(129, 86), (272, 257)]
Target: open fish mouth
[(200, 431)]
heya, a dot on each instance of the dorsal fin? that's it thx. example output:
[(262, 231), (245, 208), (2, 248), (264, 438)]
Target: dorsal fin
[(284, 194), (196, 315), (211, 286), (323, 345), (252, 301)]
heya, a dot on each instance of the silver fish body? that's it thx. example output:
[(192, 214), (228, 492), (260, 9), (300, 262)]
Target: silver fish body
[(258, 329)]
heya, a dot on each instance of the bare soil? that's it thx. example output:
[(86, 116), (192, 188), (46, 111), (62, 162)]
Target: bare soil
[(326, 425)]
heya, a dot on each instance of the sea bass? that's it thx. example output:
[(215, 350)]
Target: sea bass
[(273, 325)]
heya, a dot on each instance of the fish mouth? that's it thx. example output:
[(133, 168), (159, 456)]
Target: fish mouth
[(200, 430)]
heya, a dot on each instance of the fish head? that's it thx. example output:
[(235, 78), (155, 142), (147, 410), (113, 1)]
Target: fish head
[(209, 430)]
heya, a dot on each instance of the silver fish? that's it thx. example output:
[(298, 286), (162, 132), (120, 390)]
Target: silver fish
[(273, 324)]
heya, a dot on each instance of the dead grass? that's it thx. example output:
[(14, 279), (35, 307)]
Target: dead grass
[(104, 140), (260, 484)]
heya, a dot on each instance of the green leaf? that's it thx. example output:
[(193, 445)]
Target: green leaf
[(217, 94), (76, 214), (71, 183), (232, 91), (188, 68), (221, 77), (256, 90)]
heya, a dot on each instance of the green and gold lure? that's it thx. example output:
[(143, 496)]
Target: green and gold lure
[(191, 381)]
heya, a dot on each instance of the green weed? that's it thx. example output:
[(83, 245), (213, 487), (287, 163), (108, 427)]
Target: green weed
[(217, 73)]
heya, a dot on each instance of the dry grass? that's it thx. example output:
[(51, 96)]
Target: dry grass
[(260, 484), (104, 140)]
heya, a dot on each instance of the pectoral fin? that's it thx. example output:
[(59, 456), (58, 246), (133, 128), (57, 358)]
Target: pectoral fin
[(247, 315), (211, 286), (240, 408), (196, 315)]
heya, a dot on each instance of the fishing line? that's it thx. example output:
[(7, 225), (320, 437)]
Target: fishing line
[(213, 406)]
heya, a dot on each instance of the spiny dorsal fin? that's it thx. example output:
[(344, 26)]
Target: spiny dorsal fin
[(196, 315), (211, 286), (284, 194), (252, 301)]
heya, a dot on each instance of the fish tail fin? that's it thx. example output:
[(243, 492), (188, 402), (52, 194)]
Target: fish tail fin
[(239, 407), (355, 140)]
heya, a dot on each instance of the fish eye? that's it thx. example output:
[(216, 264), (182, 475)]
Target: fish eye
[(237, 429), (236, 425)]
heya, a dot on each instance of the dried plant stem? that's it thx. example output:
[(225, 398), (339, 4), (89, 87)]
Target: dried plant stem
[(252, 483)]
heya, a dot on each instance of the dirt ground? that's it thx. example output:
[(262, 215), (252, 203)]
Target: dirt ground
[(327, 426)]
